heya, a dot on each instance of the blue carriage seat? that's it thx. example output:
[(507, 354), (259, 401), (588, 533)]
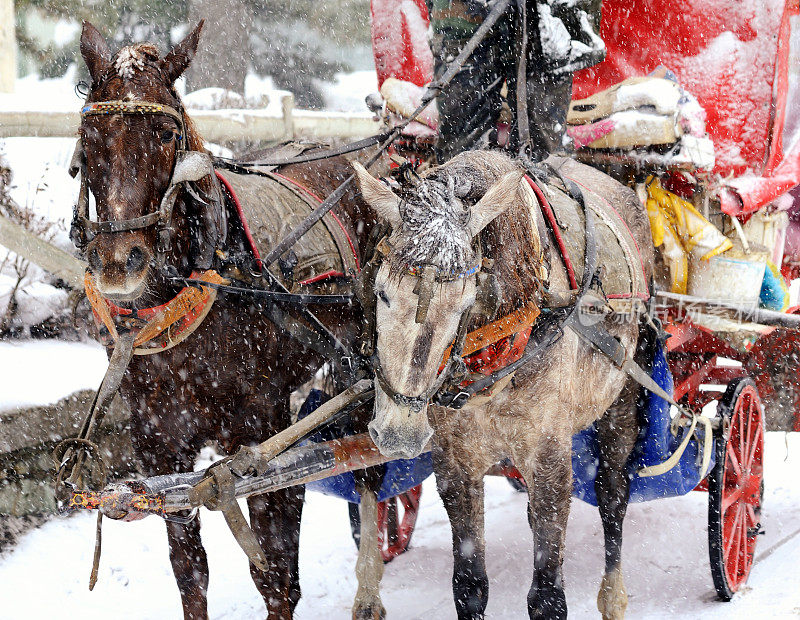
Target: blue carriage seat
[(654, 445)]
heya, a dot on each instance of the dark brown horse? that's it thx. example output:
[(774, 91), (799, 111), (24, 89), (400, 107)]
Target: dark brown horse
[(230, 381)]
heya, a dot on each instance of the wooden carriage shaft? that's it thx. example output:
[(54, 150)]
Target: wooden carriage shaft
[(299, 465)]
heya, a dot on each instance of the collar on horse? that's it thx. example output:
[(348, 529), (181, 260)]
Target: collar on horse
[(159, 328)]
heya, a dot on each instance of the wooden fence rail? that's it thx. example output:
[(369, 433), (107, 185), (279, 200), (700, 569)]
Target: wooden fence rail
[(215, 125)]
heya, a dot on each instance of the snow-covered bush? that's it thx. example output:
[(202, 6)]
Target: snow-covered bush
[(31, 301)]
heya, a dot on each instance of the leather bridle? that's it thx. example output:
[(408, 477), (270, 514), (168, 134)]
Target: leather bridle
[(190, 166), (427, 276)]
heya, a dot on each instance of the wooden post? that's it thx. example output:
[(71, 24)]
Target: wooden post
[(8, 47)]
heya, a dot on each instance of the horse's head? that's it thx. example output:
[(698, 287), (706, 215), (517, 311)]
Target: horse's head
[(424, 287), (132, 132)]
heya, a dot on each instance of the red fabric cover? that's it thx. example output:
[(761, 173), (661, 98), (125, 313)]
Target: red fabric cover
[(733, 55), (400, 41), (728, 54)]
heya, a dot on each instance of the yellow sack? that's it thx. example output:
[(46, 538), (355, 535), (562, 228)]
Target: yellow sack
[(679, 227)]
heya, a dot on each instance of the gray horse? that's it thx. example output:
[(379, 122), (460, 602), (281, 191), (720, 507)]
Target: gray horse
[(479, 202)]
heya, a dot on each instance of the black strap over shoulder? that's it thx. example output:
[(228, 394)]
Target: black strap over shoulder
[(547, 330)]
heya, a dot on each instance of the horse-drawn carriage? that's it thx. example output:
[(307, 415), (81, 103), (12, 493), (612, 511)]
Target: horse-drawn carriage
[(684, 444)]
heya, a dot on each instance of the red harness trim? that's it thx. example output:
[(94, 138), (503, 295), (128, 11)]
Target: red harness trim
[(164, 325), (242, 218), (323, 276), (551, 218)]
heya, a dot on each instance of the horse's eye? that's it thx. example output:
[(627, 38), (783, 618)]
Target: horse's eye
[(382, 296), (167, 135)]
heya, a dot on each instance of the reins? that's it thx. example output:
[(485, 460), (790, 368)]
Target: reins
[(433, 89)]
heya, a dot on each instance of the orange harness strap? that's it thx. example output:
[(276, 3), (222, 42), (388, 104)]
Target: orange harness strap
[(506, 326), (185, 311)]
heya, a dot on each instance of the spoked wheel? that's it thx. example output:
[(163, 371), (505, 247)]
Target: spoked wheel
[(397, 517), (735, 489)]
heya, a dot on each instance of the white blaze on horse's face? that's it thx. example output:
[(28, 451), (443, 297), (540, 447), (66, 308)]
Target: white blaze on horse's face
[(410, 355)]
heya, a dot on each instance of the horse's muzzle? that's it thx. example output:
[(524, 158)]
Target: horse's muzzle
[(120, 264), (398, 431)]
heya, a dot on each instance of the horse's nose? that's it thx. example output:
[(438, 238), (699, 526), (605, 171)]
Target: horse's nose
[(402, 444), (136, 260)]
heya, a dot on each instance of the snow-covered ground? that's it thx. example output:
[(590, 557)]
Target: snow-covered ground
[(41, 372), (665, 561)]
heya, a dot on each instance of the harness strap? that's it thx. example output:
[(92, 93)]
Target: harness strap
[(315, 154), (545, 335), (497, 330), (608, 345), (344, 243), (188, 309), (105, 108), (434, 88), (116, 226), (547, 210), (300, 299), (72, 453), (523, 127)]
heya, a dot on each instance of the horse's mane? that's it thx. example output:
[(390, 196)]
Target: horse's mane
[(435, 214)]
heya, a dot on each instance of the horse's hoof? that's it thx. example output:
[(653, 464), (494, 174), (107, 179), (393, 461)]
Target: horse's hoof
[(371, 611), (612, 600)]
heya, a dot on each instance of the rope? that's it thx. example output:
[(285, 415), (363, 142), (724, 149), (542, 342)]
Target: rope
[(672, 461)]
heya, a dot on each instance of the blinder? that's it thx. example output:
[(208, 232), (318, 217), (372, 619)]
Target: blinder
[(190, 167)]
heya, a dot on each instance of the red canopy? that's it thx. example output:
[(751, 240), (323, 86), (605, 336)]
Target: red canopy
[(733, 55), (400, 41)]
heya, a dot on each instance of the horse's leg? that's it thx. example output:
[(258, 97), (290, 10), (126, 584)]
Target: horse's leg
[(462, 495), (275, 516), (275, 520), (186, 553), (369, 566), (190, 567), (548, 472), (617, 433)]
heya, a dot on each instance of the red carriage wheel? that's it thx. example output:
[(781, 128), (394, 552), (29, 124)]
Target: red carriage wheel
[(397, 517), (735, 488)]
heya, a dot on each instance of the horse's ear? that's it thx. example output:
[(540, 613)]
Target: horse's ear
[(95, 52), (180, 56), (498, 199), (378, 196)]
